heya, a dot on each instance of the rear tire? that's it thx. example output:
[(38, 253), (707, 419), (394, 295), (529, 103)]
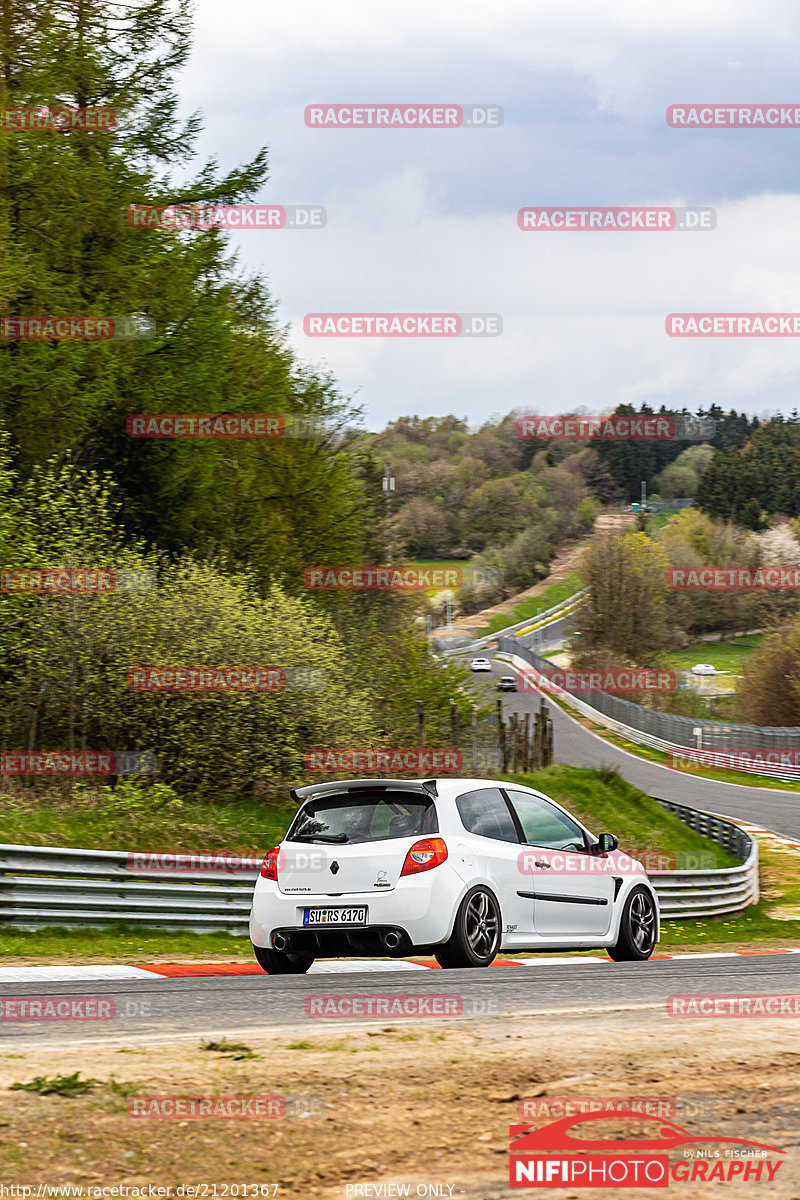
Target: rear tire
[(475, 939), (637, 929), (276, 963)]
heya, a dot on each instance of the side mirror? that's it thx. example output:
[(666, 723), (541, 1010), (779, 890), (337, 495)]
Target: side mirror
[(607, 842)]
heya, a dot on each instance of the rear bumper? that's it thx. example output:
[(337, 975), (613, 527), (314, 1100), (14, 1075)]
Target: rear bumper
[(370, 941), (420, 910)]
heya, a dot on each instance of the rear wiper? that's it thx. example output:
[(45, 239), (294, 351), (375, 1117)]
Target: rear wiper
[(323, 837)]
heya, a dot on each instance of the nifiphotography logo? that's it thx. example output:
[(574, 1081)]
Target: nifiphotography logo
[(558, 1155)]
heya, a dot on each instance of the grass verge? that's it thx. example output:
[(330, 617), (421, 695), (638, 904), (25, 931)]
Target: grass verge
[(533, 605), (605, 802), (133, 818), (725, 656), (441, 564), (121, 943)]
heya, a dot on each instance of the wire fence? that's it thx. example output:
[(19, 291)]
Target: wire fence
[(692, 732)]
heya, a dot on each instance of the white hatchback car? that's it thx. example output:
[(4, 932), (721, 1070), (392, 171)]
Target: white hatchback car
[(480, 664), (457, 868)]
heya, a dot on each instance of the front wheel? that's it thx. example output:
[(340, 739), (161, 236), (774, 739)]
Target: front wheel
[(637, 929), (476, 933), (276, 963)]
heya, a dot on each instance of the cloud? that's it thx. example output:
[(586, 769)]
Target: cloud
[(426, 221)]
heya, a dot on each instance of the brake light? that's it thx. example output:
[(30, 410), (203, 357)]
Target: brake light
[(272, 860), (424, 856)]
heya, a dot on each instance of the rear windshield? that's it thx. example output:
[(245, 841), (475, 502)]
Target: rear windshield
[(366, 817)]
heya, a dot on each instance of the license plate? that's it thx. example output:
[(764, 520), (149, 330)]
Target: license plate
[(335, 916)]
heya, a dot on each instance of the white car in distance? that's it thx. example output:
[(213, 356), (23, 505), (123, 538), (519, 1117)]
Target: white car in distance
[(458, 868), (480, 664)]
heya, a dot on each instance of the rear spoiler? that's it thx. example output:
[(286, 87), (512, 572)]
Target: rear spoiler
[(423, 786)]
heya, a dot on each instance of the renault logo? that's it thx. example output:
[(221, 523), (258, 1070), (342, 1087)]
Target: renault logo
[(334, 866)]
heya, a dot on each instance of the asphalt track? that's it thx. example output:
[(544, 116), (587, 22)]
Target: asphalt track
[(579, 747), (169, 1009)]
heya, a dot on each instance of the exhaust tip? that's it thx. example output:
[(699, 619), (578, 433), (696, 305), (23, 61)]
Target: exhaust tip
[(279, 941), (391, 940)]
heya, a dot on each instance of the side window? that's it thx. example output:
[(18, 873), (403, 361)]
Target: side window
[(485, 812), (545, 825)]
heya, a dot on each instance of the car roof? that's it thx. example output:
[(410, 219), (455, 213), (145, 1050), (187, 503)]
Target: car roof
[(443, 788), (426, 787)]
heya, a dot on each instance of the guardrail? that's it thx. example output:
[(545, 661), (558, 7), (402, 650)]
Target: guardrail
[(521, 628), (716, 893), (711, 735), (49, 886), (42, 885)]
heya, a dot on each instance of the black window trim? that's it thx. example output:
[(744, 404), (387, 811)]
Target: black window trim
[(425, 800), (587, 845), (494, 787)]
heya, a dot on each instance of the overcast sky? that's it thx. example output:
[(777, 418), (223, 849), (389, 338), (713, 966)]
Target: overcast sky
[(425, 220)]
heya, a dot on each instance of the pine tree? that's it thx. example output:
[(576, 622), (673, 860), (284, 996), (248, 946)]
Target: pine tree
[(66, 248)]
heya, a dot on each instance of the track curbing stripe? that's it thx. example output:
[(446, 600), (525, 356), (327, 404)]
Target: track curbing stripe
[(112, 971)]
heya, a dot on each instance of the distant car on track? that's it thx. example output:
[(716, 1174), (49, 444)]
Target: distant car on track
[(458, 868), (506, 683), (480, 664), (704, 669)]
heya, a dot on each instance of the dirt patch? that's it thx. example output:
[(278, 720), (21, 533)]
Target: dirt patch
[(562, 565), (417, 1104)]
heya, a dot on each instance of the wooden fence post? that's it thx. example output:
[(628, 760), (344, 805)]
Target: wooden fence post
[(501, 734), (454, 723)]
